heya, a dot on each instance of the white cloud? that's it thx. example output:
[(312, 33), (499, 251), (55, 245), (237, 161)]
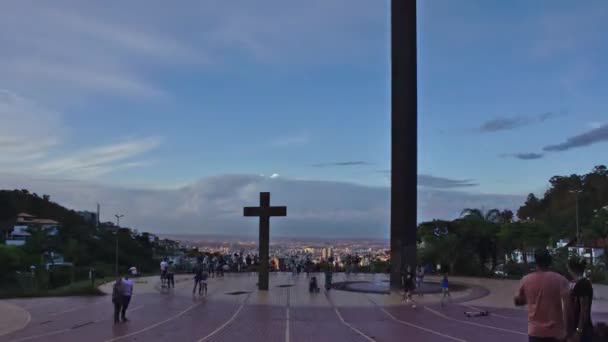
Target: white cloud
[(99, 160), (83, 76), (214, 205), (68, 47), (33, 140), (27, 130), (74, 49), (274, 175)]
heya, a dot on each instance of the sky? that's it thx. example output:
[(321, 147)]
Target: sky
[(176, 115)]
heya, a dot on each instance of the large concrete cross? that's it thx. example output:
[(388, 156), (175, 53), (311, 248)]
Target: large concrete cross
[(264, 212)]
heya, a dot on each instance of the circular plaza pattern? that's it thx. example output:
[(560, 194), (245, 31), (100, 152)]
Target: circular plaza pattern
[(235, 311)]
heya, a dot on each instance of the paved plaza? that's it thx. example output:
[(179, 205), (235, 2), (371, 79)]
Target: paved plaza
[(236, 311)]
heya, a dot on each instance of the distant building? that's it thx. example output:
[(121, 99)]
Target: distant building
[(592, 251), (24, 223), (151, 237), (518, 256), (88, 216), (327, 253), (108, 226)]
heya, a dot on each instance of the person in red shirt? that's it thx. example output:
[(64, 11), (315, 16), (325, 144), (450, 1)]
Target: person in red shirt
[(547, 295)]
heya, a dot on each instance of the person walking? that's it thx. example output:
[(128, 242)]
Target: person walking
[(581, 297), (163, 272), (121, 297), (198, 278), (171, 275), (445, 289), (547, 296), (117, 299), (203, 284), (419, 280), (407, 281)]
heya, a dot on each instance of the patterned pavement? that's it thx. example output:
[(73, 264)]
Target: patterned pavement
[(283, 314)]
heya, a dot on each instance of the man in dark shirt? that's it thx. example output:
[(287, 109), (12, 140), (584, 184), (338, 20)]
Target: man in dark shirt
[(581, 297)]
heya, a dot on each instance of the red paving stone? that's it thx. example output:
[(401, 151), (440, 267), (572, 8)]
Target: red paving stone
[(457, 312), (194, 325), (158, 320), (255, 323), (319, 325), (426, 319)]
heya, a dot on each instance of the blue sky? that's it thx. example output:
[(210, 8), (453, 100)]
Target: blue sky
[(150, 97)]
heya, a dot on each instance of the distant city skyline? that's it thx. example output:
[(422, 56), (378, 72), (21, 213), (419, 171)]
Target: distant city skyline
[(178, 116)]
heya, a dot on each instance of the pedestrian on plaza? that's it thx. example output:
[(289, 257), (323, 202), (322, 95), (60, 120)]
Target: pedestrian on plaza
[(213, 266), (329, 274), (198, 278), (581, 298), (171, 275), (407, 281), (445, 289), (419, 280), (126, 292), (203, 285), (547, 296), (163, 272), (313, 286), (117, 298)]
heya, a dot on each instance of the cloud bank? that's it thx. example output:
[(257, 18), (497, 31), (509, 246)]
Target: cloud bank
[(507, 124), (588, 138), (214, 205)]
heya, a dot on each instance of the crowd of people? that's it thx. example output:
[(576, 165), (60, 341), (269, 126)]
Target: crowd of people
[(558, 309)]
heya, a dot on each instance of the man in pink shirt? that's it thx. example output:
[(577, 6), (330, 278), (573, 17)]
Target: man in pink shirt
[(546, 294)]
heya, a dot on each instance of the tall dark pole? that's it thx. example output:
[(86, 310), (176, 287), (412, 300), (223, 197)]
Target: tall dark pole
[(578, 230), (117, 230), (404, 137)]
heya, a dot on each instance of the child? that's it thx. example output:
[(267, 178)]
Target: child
[(445, 289)]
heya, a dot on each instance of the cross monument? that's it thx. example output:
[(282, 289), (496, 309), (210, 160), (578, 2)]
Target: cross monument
[(264, 212)]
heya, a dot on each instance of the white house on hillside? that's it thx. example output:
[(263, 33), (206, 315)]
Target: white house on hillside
[(26, 222), (592, 251)]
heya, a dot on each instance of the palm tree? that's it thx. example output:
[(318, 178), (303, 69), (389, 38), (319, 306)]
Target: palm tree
[(492, 215), (488, 240)]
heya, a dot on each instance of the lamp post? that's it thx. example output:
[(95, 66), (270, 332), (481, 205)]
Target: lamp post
[(117, 229), (578, 230)]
